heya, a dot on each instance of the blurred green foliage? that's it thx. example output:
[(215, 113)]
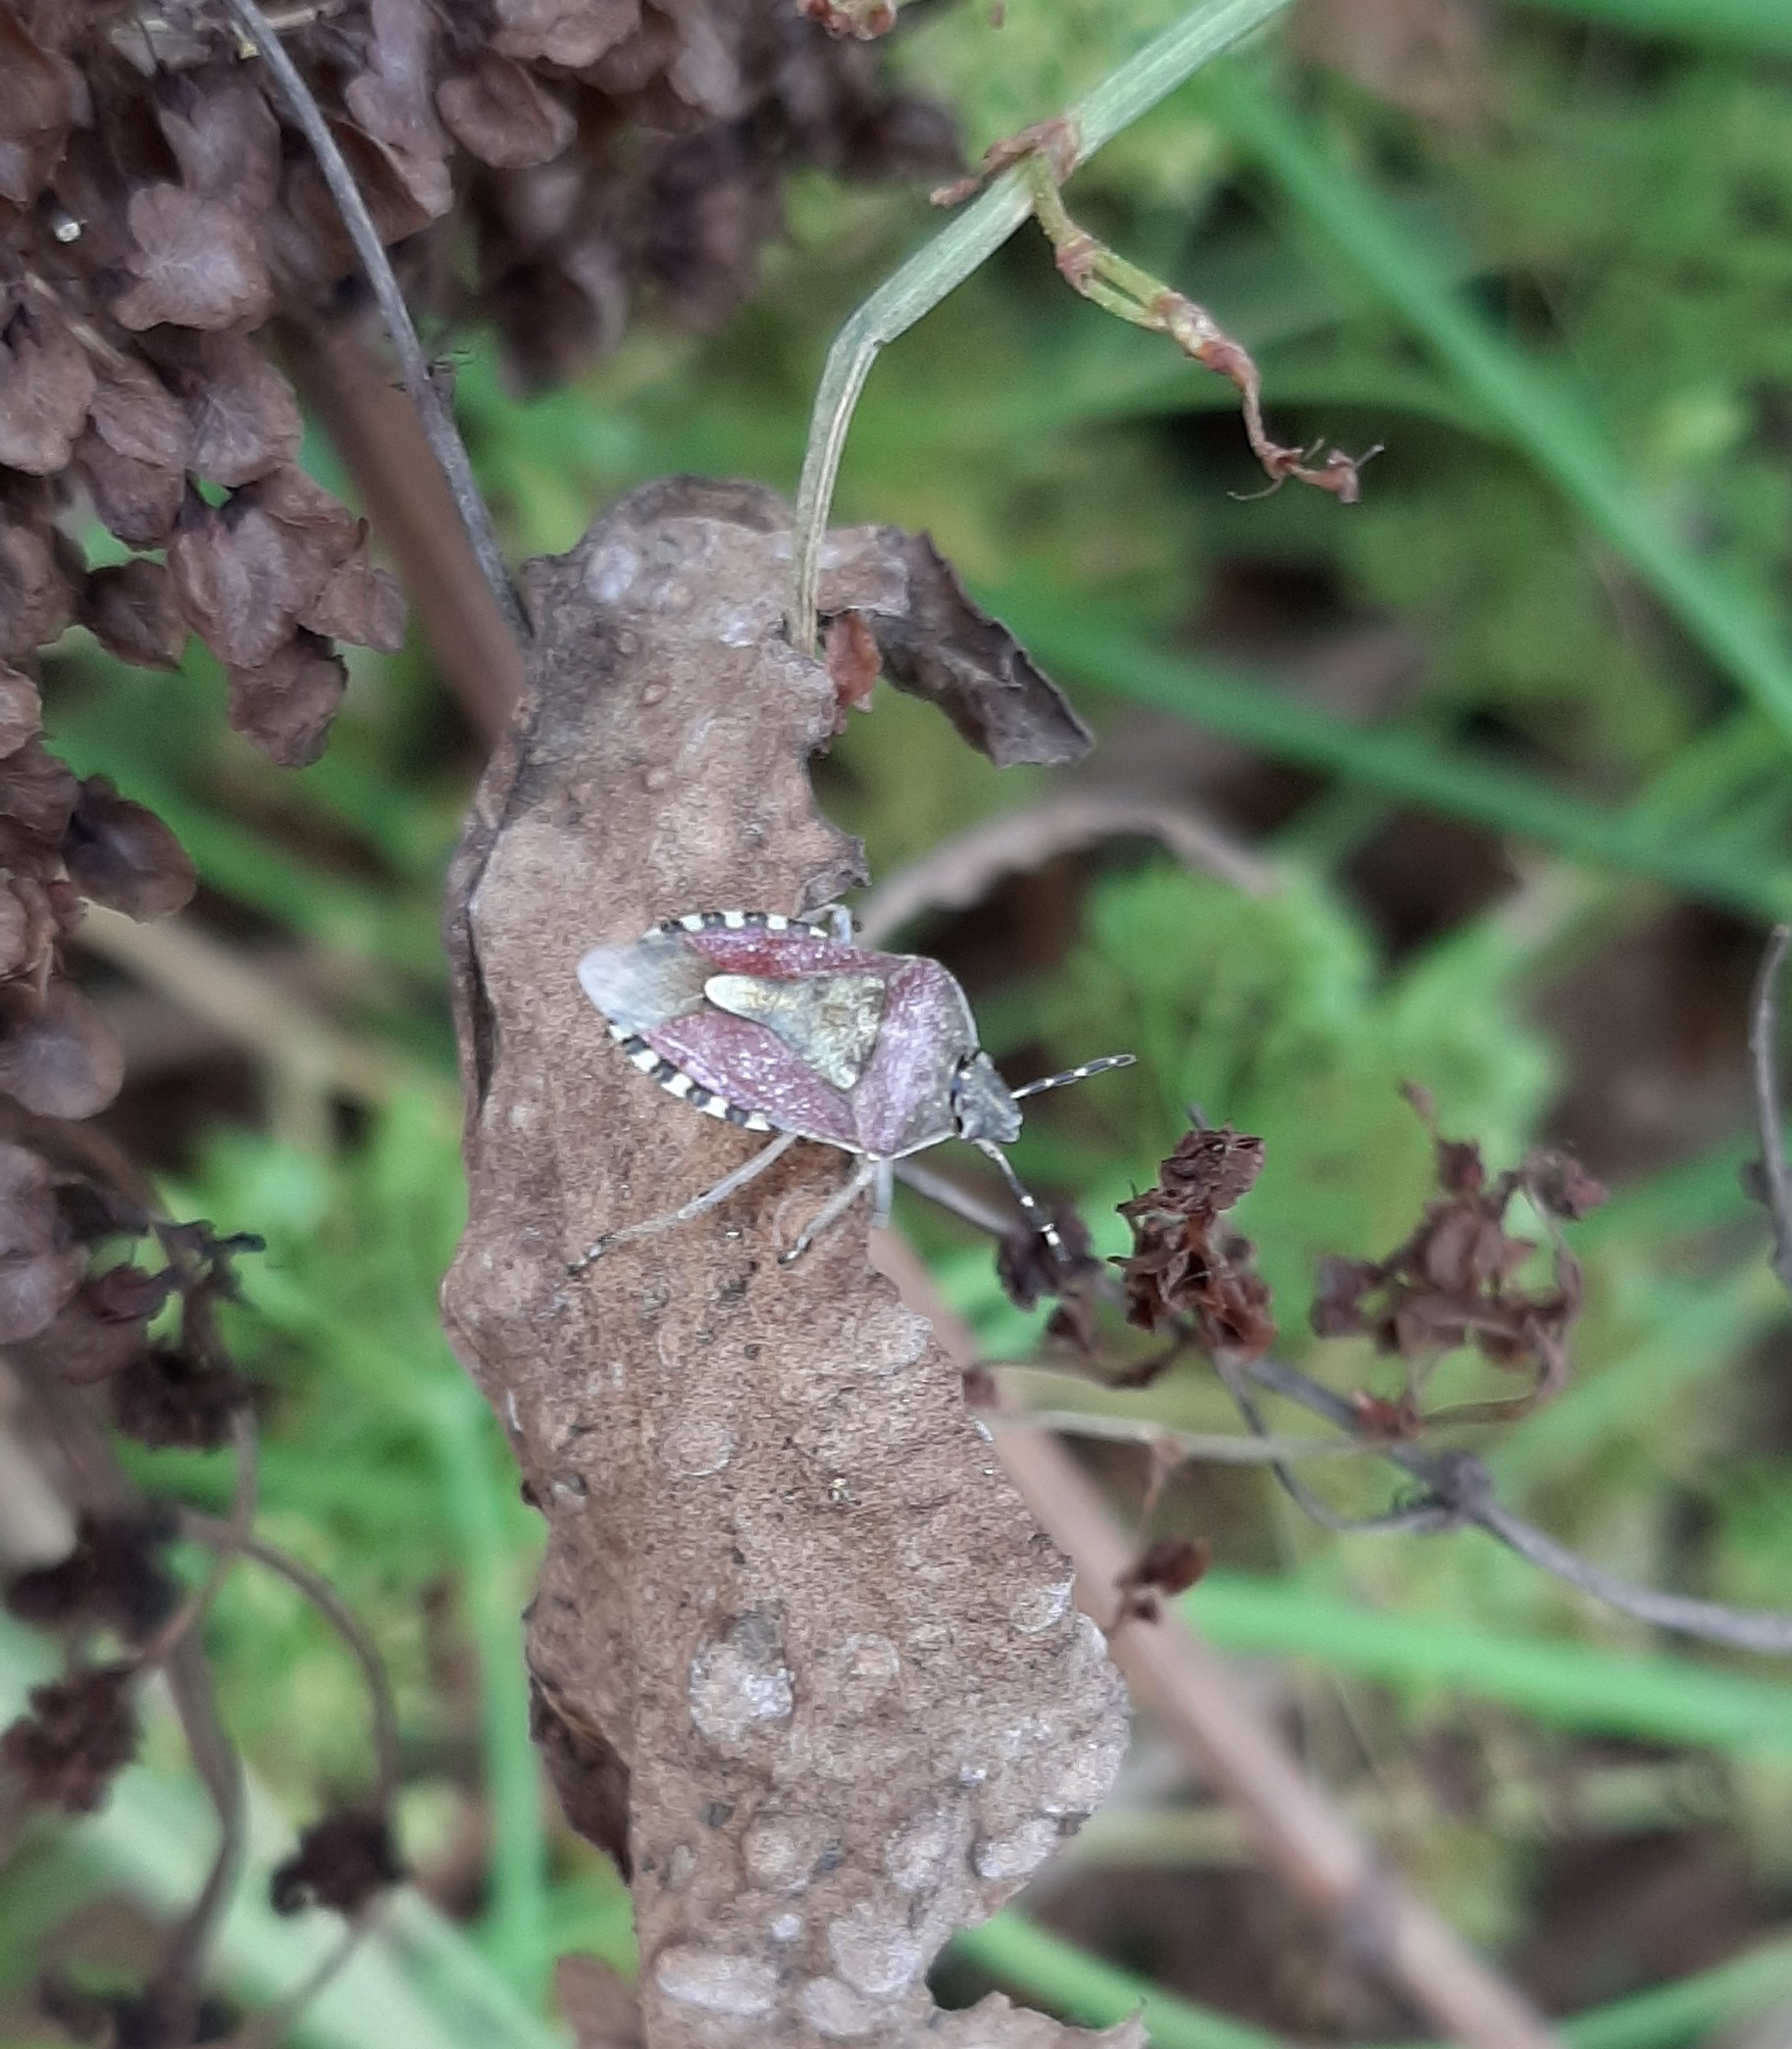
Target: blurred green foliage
[(1617, 211)]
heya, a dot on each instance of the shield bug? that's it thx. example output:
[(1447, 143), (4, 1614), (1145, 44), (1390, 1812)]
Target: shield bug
[(783, 1025)]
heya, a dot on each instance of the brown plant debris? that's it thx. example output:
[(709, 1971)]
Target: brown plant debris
[(1454, 1282), (78, 1733), (1186, 1271), (341, 1861), (1168, 1565), (786, 1590)]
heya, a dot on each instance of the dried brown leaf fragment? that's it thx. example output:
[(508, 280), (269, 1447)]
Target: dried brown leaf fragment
[(129, 609), (503, 115), (120, 854), (60, 1057), (1186, 1271), (79, 1732), (285, 704), (195, 263), (46, 385), (41, 1268)]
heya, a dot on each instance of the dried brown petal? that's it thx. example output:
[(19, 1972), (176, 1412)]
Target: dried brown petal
[(242, 416), (136, 415), (129, 609), (36, 597), (568, 32), (79, 1732), (170, 1401), (62, 1060), (37, 789), (21, 709), (225, 141), (1210, 1171), (391, 98), (500, 113), (195, 263), (46, 385), (1562, 1187), (1169, 1564), (136, 501), (341, 1861), (359, 604), (28, 930), (37, 103), (235, 580), (284, 706), (38, 1270), (309, 514), (120, 854), (113, 1578)]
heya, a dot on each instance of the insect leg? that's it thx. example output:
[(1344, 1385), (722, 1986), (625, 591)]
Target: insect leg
[(833, 1209), (708, 1200), (1029, 1203), (838, 921)]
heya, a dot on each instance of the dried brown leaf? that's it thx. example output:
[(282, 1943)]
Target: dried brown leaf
[(944, 647), (195, 263), (46, 385), (37, 790), (129, 609), (120, 854), (225, 141), (38, 102), (235, 581), (138, 501), (62, 1059), (241, 415), (39, 1269), (503, 115), (37, 592), (284, 705), (394, 103), (568, 33), (359, 602), (784, 1581), (136, 415), (21, 709), (29, 930), (853, 664)]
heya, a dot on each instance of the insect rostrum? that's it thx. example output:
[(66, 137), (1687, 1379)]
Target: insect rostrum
[(783, 1025)]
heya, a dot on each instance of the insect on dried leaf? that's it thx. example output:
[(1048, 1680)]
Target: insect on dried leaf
[(781, 1024)]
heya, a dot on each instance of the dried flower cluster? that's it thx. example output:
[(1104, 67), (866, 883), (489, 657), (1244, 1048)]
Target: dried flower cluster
[(1186, 1270), (1453, 1281)]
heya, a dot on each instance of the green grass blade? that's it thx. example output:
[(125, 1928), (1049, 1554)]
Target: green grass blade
[(1596, 1692), (1732, 25), (1540, 411), (1253, 710), (1067, 1980), (513, 1929)]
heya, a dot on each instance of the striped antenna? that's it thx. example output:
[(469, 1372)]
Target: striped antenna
[(1074, 1074), (1035, 1209)]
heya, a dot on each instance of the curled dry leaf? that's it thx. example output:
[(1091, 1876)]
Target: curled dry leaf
[(37, 103), (571, 34), (242, 416), (137, 502), (1186, 1268), (341, 1861), (114, 1578), (941, 647), (39, 1267), (46, 385), (37, 790), (36, 591), (503, 115), (234, 580), (392, 103), (21, 709), (853, 664), (129, 609), (79, 1734), (284, 705), (195, 263), (359, 602), (62, 1058), (136, 415), (168, 1401), (120, 854), (786, 1583), (225, 141)]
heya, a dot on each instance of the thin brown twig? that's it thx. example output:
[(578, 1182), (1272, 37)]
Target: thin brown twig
[(432, 409), (213, 1530), (1764, 1052), (961, 871), (1296, 1825)]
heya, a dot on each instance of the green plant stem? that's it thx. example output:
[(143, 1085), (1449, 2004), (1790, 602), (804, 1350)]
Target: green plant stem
[(1543, 418), (1253, 710), (513, 1929), (1736, 24), (1647, 1698), (971, 239), (1086, 1988)]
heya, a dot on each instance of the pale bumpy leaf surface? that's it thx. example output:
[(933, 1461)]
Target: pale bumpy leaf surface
[(788, 1591)]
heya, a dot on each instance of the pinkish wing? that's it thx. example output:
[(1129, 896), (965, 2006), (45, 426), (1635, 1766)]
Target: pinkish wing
[(744, 1064), (902, 1100)]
